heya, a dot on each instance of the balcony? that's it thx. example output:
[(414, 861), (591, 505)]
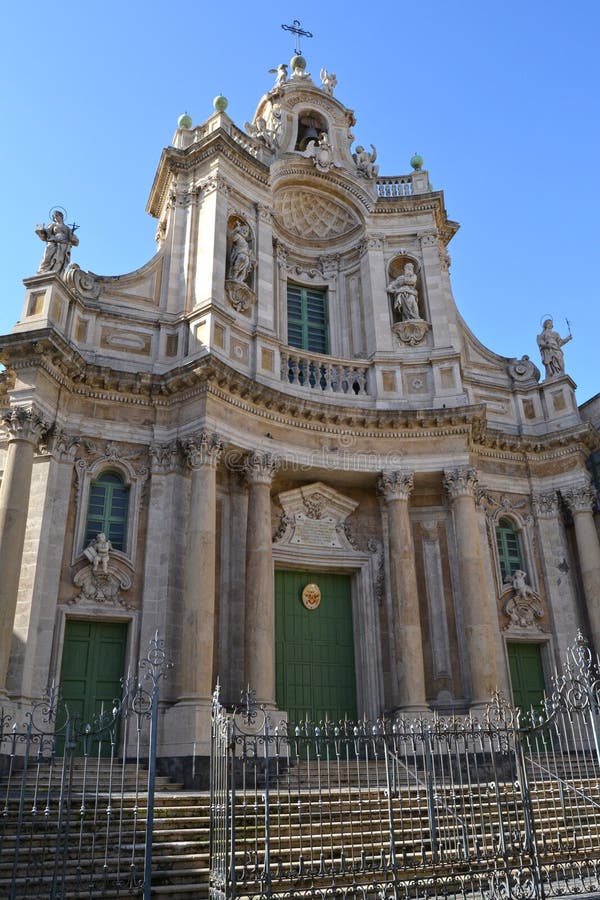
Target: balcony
[(316, 372)]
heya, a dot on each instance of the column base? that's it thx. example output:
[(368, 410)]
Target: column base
[(184, 729)]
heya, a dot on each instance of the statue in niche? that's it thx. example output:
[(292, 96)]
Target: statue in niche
[(281, 73), (98, 553), (241, 260), (59, 239), (550, 343), (365, 162), (329, 81), (239, 266), (404, 289)]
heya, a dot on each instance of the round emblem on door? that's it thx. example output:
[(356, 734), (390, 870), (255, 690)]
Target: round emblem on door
[(311, 596)]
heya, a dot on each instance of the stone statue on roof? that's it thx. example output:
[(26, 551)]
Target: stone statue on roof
[(329, 81), (365, 162), (550, 343), (59, 238)]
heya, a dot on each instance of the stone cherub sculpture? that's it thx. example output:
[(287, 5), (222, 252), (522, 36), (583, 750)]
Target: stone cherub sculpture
[(404, 289), (365, 161), (98, 553), (328, 81), (550, 343), (59, 239), (522, 607), (281, 72)]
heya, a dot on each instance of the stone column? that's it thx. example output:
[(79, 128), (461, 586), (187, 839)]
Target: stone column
[(396, 488), (25, 430), (481, 629), (202, 454), (259, 631), (581, 500)]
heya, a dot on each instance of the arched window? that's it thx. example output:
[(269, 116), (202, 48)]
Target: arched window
[(107, 509), (509, 550)]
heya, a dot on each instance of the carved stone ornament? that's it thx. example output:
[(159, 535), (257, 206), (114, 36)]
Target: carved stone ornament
[(310, 215), (315, 517), (395, 485), (461, 482), (202, 449), (311, 596), (163, 457), (102, 587), (240, 295), (545, 505), (25, 424), (522, 606), (260, 467), (523, 370), (581, 498), (412, 331), (83, 284)]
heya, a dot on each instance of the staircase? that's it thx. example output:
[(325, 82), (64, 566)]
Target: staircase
[(334, 835)]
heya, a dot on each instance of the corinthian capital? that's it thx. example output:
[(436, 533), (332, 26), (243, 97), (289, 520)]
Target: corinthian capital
[(202, 449), (461, 482), (580, 498), (395, 485), (545, 506), (163, 457), (25, 424), (260, 467)]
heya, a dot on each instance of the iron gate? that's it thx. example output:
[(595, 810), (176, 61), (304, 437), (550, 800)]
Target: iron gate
[(77, 797), (506, 806)]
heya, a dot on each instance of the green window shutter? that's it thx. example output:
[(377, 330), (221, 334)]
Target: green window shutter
[(509, 551), (108, 509), (307, 319)]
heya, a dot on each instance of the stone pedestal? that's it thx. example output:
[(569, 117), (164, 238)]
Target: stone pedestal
[(197, 649), (396, 488), (25, 428), (581, 500), (481, 630), (259, 632)]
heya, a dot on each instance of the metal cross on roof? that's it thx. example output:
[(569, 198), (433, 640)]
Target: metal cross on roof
[(298, 31)]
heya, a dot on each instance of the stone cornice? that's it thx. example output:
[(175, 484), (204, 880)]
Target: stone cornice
[(174, 160), (209, 376)]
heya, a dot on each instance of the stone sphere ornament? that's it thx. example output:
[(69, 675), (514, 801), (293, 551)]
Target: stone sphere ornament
[(184, 121), (416, 162), (298, 63), (220, 103)]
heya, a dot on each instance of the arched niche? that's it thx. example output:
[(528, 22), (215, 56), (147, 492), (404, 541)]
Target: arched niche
[(405, 289), (310, 125)]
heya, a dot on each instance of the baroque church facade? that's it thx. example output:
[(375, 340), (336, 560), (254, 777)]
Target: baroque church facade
[(279, 445)]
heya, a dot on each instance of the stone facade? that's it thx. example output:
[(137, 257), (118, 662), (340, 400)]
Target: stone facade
[(394, 457)]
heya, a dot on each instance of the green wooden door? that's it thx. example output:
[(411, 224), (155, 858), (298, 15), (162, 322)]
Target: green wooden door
[(314, 647), (92, 667), (526, 675)]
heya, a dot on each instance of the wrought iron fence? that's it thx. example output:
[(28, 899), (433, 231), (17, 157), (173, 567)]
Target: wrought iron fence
[(503, 806), (76, 797)]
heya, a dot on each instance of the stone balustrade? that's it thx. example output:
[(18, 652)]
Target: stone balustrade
[(394, 186), (317, 372)]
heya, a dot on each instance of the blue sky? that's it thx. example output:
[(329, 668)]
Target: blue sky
[(500, 98)]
